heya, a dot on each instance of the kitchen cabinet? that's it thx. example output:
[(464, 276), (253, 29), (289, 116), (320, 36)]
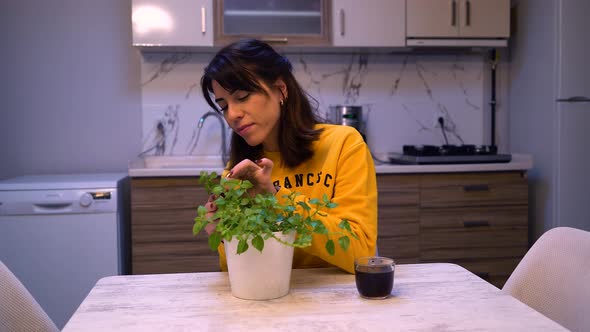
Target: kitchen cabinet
[(458, 18), (163, 210), (370, 23), (476, 220), (398, 233), (293, 23), (172, 22)]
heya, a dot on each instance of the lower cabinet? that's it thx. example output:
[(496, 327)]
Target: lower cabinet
[(476, 220), (162, 216)]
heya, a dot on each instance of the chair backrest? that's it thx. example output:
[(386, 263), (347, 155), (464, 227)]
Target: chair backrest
[(554, 277), (18, 309)]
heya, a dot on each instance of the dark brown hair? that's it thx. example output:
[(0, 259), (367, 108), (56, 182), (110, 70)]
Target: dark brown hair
[(242, 66)]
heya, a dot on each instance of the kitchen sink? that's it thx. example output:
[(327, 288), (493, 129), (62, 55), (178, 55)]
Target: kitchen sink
[(183, 161)]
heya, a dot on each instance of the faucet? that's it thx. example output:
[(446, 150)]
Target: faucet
[(224, 154)]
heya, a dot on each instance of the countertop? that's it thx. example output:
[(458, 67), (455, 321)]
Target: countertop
[(519, 162), (425, 297)]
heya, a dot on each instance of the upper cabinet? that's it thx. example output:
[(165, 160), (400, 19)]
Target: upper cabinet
[(172, 22), (369, 23), (301, 22), (485, 22), (340, 23)]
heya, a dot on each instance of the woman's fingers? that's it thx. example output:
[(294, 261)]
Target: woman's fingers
[(266, 165), (210, 228), (258, 173), (244, 170), (211, 207)]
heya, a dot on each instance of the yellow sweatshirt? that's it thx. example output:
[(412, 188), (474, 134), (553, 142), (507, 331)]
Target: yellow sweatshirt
[(343, 169)]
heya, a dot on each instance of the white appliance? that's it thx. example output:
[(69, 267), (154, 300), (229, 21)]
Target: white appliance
[(550, 108), (59, 234), (573, 115)]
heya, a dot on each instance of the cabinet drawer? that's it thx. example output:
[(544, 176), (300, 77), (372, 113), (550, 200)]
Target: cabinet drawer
[(162, 242), (403, 249), (175, 264), (473, 232), (167, 193), (398, 234), (496, 271), (493, 270), (398, 190), (474, 218), (473, 189)]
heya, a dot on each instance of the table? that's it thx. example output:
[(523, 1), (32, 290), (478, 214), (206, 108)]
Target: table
[(426, 297)]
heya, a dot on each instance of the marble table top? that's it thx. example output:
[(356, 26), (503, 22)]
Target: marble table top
[(426, 297)]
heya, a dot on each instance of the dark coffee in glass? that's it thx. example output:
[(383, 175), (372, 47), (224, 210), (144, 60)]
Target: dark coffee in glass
[(374, 276)]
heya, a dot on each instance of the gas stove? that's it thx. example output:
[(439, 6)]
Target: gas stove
[(448, 154)]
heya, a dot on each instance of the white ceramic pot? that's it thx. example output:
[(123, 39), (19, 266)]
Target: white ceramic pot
[(255, 275)]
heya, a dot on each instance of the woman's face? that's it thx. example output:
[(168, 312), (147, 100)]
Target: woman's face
[(252, 115)]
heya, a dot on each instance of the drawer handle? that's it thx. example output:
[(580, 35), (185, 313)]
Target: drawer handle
[(453, 12), (476, 223), (483, 275), (468, 10), (342, 22), (203, 21), (277, 40), (476, 187)]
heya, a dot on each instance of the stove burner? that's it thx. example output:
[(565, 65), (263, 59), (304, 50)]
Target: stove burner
[(449, 150), (449, 154)]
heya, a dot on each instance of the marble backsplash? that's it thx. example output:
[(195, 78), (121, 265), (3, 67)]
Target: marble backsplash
[(402, 96)]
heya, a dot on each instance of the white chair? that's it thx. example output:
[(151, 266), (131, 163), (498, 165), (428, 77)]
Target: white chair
[(554, 277), (19, 311)]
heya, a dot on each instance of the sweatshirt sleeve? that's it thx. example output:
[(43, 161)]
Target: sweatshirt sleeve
[(355, 192)]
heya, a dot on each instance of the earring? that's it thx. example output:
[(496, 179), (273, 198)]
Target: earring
[(282, 103)]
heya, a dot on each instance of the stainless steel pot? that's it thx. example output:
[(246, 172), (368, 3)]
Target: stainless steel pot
[(347, 115)]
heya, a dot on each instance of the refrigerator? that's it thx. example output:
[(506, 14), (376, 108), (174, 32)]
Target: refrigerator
[(549, 108), (573, 115)]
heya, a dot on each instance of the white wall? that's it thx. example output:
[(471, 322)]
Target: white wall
[(70, 98), (402, 95)]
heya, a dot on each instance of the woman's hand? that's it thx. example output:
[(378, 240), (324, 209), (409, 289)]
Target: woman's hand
[(258, 173), (211, 209)]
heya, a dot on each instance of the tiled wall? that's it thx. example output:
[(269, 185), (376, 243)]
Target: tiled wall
[(402, 96)]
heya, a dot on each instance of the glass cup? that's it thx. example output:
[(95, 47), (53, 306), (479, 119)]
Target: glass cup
[(374, 276)]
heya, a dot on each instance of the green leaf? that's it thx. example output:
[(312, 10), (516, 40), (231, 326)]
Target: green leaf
[(331, 205), (304, 206), (320, 229), (344, 242), (198, 226), (258, 243), (247, 184), (201, 211), (242, 246), (314, 201), (345, 225), (330, 247), (214, 240)]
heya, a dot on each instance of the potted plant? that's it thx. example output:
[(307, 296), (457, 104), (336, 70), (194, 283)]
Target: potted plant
[(271, 228)]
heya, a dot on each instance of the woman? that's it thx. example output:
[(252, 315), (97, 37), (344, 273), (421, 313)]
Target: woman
[(279, 144)]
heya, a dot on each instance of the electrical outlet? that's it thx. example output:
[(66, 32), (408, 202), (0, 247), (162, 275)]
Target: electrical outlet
[(435, 122)]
